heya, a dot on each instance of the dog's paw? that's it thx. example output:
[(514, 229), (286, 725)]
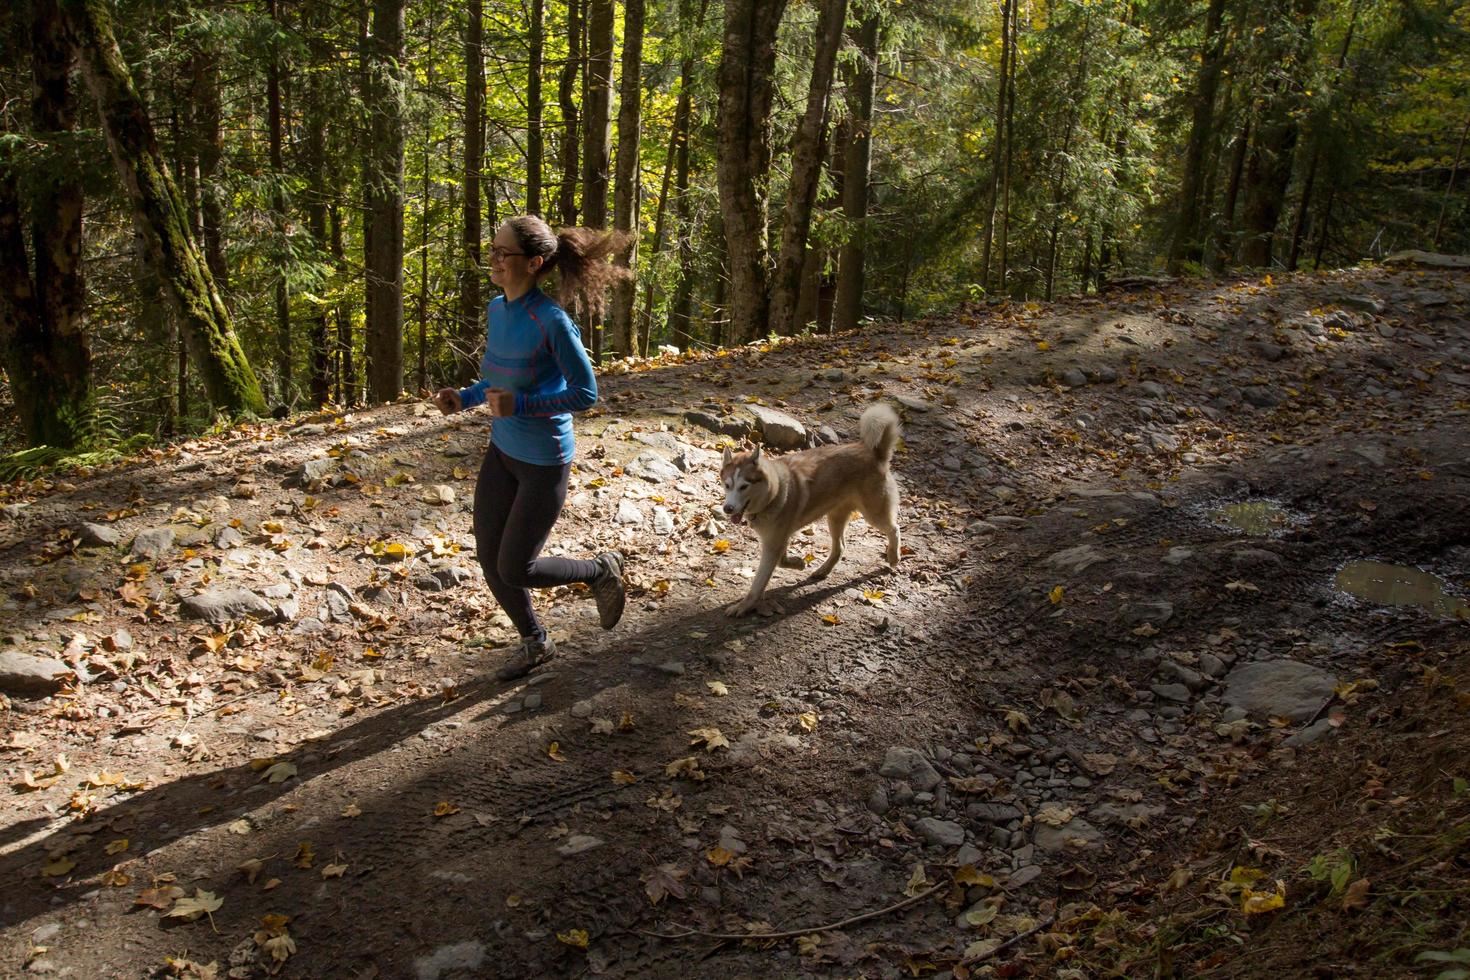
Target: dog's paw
[(736, 609)]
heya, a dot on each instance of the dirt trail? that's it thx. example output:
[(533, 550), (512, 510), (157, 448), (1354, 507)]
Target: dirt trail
[(1078, 658)]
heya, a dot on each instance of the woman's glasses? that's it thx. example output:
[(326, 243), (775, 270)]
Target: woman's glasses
[(498, 254)]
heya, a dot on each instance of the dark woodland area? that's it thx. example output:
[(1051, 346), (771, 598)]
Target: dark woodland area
[(1170, 678)]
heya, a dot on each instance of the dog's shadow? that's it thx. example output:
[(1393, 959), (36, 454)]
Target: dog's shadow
[(783, 602)]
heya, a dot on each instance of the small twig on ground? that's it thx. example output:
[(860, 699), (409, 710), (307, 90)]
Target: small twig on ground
[(1013, 941), (793, 933), (1318, 713)]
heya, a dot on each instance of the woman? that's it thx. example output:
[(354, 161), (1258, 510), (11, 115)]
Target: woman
[(534, 375)]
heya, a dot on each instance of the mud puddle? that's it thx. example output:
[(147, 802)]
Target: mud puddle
[(1400, 585)]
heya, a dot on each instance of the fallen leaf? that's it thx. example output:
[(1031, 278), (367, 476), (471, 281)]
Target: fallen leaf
[(687, 768), (351, 810), (1056, 594), (717, 688), (305, 855), (1053, 815), (719, 856), (1356, 896), (981, 916), (58, 867), (554, 750), (251, 868), (333, 870), (444, 808), (573, 937), (117, 846), (808, 720), (280, 772), (1017, 721), (192, 907), (663, 881), (918, 881), (967, 874), (710, 738), (623, 778), (159, 897)]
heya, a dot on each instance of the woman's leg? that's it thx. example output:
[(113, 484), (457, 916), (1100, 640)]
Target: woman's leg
[(496, 491), (541, 493)]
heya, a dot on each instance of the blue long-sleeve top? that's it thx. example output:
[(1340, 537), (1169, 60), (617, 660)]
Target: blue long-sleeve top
[(533, 348)]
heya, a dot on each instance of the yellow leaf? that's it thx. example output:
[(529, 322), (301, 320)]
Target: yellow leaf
[(831, 620), (687, 767), (192, 907), (444, 808), (808, 720), (710, 738), (1056, 595), (554, 750), (58, 867), (717, 688), (1053, 815), (351, 810), (334, 870), (250, 868), (720, 546), (966, 874), (1254, 903), (305, 854), (1042, 345), (625, 723), (623, 778), (117, 846), (918, 881), (573, 937), (280, 772), (719, 856)]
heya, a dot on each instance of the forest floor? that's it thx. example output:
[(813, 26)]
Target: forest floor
[(1100, 722)]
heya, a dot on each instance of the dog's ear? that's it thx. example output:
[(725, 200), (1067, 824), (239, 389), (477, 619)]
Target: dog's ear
[(728, 457), (755, 457)]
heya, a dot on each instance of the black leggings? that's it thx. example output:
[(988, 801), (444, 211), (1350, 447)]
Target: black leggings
[(516, 505)]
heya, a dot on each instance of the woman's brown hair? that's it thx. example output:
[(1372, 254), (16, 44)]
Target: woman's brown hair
[(579, 254)]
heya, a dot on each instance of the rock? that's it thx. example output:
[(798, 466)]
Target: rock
[(1171, 670), (1158, 612), (993, 812), (778, 429), (652, 467), (732, 427), (663, 521), (336, 602), (1074, 378), (277, 590), (439, 494), (826, 435), (228, 538), (1269, 352), (12, 511), (153, 543), (914, 404), (98, 536), (222, 605), (532, 702), (1127, 815), (941, 833), (454, 576), (878, 800), (1178, 555), (628, 513), (1365, 303), (1055, 840), (1212, 665), (1261, 396), (1278, 688), (578, 844), (968, 854), (25, 673), (1078, 558), (1152, 389), (1310, 734), (1171, 692), (832, 374), (909, 765), (458, 959), (316, 469), (1103, 374), (1023, 876), (287, 610)]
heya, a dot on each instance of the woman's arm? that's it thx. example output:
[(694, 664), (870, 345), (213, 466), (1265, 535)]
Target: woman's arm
[(571, 358)]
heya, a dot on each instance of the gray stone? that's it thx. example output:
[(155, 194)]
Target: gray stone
[(1158, 612), (652, 467), (1104, 374), (1279, 688), (453, 576), (1269, 352), (1152, 389), (878, 800), (941, 833), (1211, 665), (909, 765), (778, 429), (1023, 876), (578, 844), (1261, 396), (1178, 555), (914, 404), (1126, 815), (277, 590), (968, 854), (1077, 559), (727, 426), (993, 812), (1365, 303), (228, 538), (628, 513), (458, 958), (317, 469), (663, 521), (1170, 670), (224, 605), (24, 673), (1054, 840), (532, 702), (98, 536), (1074, 378), (288, 610), (1171, 692), (1310, 734), (334, 606), (153, 543)]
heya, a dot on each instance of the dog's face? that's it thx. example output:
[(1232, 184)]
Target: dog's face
[(746, 482)]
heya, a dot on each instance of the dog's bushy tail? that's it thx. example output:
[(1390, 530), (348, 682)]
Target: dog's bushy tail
[(879, 430)]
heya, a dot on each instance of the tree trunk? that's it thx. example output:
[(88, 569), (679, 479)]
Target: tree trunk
[(206, 119), (628, 183), (680, 305), (315, 152), (424, 216), (848, 307), (383, 177), (46, 354), (278, 207), (470, 315), (1224, 241), (1269, 167), (1449, 187), (567, 97), (806, 165), (597, 112), (1007, 156), (1186, 245), (159, 216), (997, 144), (535, 151), (743, 158)]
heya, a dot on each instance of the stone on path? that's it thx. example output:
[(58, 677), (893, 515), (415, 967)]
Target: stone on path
[(578, 844), (316, 469), (778, 429), (224, 605), (652, 467), (1077, 559), (1279, 689), (25, 673), (942, 833), (153, 543), (98, 536), (726, 426), (909, 765), (628, 512), (456, 958), (1055, 840)]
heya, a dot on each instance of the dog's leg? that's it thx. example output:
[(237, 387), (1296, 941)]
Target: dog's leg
[(837, 525), (793, 560), (883, 515), (771, 553)]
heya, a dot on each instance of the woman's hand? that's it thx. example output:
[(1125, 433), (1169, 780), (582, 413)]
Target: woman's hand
[(447, 400), (500, 402)]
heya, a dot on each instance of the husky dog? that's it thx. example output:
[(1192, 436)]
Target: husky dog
[(781, 496)]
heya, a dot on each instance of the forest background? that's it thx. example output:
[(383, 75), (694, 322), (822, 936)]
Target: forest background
[(212, 210)]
